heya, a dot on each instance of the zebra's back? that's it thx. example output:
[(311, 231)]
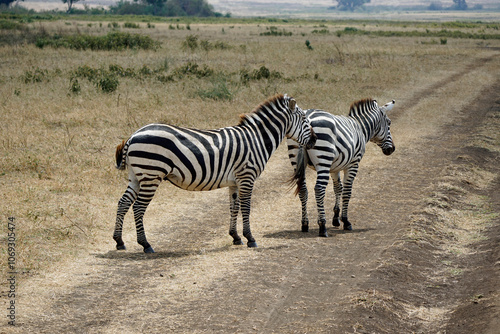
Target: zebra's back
[(190, 159), (339, 140)]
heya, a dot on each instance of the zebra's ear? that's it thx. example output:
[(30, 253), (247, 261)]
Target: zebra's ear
[(292, 104), (388, 106)]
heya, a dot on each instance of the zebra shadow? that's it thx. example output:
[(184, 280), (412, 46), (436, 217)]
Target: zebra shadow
[(313, 233), (140, 256)]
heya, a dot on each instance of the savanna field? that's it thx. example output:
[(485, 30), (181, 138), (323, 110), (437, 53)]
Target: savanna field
[(71, 90)]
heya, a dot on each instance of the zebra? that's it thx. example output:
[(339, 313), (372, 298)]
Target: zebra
[(199, 160), (340, 147)]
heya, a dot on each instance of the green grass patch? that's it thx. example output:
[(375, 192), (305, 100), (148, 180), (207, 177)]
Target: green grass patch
[(444, 33), (112, 41), (274, 31), (218, 92)]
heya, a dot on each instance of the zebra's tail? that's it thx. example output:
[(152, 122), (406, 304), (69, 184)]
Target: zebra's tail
[(120, 155), (300, 169)]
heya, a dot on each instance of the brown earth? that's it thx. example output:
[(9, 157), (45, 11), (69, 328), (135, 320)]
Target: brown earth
[(405, 268)]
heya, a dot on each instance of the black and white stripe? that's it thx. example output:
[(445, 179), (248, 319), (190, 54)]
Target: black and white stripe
[(199, 160), (340, 147)]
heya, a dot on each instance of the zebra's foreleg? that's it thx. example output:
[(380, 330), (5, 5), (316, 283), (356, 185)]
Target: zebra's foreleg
[(349, 176), (303, 195), (319, 190), (245, 200), (124, 204), (234, 208), (337, 188)]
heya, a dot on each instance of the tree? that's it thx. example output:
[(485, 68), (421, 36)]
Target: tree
[(157, 5), (460, 4), (350, 4), (70, 3), (6, 2), (164, 8)]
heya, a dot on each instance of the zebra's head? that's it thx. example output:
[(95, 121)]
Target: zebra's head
[(383, 137), (299, 128)]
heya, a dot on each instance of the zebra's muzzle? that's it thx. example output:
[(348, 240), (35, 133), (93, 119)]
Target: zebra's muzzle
[(389, 150)]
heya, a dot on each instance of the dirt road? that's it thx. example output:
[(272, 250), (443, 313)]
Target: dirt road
[(404, 268)]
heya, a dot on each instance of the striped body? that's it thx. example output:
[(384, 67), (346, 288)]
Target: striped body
[(200, 160), (340, 146)]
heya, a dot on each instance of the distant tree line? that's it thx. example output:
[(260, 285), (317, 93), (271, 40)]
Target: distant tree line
[(457, 5), (350, 5), (150, 7), (164, 8)]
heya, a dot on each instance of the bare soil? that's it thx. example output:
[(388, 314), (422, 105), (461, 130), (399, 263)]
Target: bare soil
[(394, 273)]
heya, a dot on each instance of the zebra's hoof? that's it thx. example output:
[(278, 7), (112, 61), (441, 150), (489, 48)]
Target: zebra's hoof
[(237, 242), (121, 247), (347, 227), (252, 244), (323, 234), (305, 228), (336, 222), (149, 250)]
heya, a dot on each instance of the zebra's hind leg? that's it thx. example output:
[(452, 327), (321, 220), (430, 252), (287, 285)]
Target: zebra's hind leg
[(146, 193), (245, 194), (347, 224), (337, 187), (303, 195), (319, 190), (349, 176), (234, 208), (127, 199)]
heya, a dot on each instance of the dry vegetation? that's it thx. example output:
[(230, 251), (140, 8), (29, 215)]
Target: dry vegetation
[(57, 145), (56, 167)]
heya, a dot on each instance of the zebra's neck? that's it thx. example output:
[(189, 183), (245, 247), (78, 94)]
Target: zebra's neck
[(368, 120), (267, 131)]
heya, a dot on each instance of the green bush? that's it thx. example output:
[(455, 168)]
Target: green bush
[(9, 25), (191, 42), (37, 75), (108, 83), (273, 31), (112, 41), (219, 91), (321, 32), (75, 86), (262, 73), (193, 69), (131, 25)]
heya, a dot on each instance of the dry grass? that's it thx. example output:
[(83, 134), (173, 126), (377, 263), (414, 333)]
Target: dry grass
[(56, 165)]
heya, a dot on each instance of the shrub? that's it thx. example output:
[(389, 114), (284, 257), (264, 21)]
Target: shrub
[(37, 75), (322, 31), (206, 45), (108, 83), (111, 41), (221, 45), (193, 69), (75, 86), (219, 91), (131, 25), (262, 73), (191, 42), (273, 31), (9, 25)]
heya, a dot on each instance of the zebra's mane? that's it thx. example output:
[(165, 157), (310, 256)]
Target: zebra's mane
[(356, 105), (267, 103)]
